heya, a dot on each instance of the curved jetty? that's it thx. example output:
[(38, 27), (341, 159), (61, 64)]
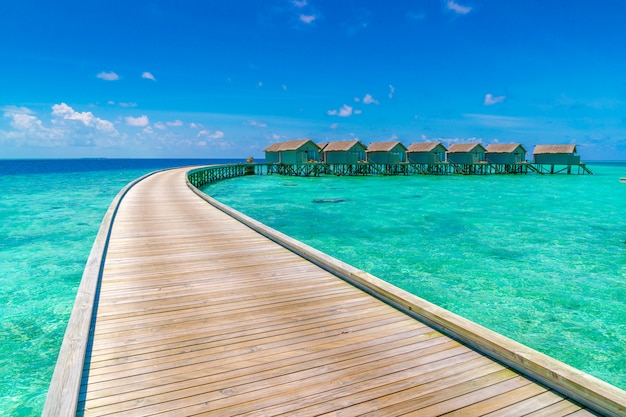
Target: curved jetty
[(187, 307)]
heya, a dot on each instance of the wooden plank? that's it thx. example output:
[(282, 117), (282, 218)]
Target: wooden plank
[(558, 409), (251, 389), (528, 405)]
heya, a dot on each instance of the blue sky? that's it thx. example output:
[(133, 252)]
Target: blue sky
[(223, 79)]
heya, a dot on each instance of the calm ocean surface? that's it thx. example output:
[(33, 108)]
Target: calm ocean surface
[(541, 259)]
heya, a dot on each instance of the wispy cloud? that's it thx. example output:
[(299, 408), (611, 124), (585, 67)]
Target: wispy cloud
[(207, 134), (490, 99), (16, 109), (254, 123), (596, 104), (66, 112), (307, 18), (108, 76), (148, 76), (304, 12), (163, 126), (140, 121), (447, 141), (491, 120), (392, 91), (457, 8)]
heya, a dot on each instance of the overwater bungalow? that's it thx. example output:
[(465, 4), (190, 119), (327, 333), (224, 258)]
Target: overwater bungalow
[(426, 153), (500, 153), (386, 153), (322, 146), (271, 153), (344, 152), (292, 152), (466, 153), (556, 155)]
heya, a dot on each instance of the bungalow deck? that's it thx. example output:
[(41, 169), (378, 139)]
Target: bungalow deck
[(409, 168), (187, 307)]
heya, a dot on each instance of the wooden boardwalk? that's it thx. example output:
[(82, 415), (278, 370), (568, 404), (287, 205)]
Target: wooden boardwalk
[(197, 314)]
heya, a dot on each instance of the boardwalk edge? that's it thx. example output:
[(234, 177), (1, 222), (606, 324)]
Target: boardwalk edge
[(64, 388)]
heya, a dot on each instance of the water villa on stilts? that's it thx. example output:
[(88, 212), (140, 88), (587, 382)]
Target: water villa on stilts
[(554, 159), (351, 157)]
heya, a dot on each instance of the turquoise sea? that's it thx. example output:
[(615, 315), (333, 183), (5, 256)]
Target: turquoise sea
[(541, 259)]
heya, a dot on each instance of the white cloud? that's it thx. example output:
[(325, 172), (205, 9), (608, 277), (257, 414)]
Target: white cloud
[(284, 87), (308, 19), (160, 126), (218, 134), (392, 90), (491, 120), (108, 76), (255, 123), (449, 141), (22, 121), (358, 111), (344, 111), (16, 110), (300, 3), (368, 99), (87, 118), (140, 121), (455, 7), (148, 76), (28, 129), (490, 99), (596, 104), (175, 123)]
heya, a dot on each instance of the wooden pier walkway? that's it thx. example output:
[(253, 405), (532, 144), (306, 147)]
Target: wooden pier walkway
[(195, 313)]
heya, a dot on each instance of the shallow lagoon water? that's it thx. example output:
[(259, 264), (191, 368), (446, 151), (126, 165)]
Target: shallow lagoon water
[(540, 259)]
